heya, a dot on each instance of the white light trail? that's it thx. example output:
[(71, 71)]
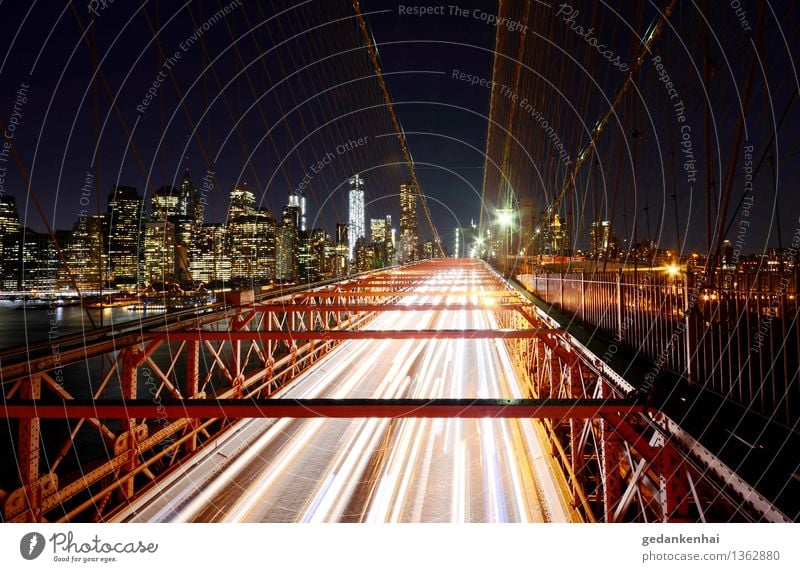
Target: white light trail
[(381, 470)]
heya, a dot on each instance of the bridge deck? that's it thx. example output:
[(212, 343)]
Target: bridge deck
[(452, 470)]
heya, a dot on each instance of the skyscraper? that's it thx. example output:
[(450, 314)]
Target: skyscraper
[(299, 201), (310, 253), (165, 203), (408, 222), (175, 207), (341, 265), (286, 243), (85, 253), (377, 229), (209, 262), (190, 197), (381, 232), (242, 201), (557, 238), (251, 246), (10, 244), (356, 219), (362, 261), (159, 252), (39, 261), (601, 240), (124, 220)]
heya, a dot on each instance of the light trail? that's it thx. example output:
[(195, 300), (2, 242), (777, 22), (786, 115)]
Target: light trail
[(380, 470)]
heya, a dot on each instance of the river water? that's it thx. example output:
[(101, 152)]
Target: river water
[(25, 326), (21, 326)]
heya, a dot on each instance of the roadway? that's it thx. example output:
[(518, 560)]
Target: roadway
[(378, 470)]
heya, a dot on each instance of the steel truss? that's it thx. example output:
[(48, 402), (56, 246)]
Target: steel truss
[(623, 466), (166, 391), (213, 356)]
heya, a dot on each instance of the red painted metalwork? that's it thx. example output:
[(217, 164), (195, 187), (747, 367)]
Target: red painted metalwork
[(338, 335), (335, 408), (358, 307), (361, 293), (609, 450)]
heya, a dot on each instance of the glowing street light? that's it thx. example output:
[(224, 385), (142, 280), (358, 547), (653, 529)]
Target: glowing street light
[(505, 217)]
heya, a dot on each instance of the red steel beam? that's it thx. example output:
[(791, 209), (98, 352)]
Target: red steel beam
[(308, 408), (378, 307), (423, 281), (637, 441), (390, 293), (329, 335)]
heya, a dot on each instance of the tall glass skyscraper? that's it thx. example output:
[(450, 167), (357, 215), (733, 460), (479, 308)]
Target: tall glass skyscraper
[(299, 201), (124, 234), (10, 244), (356, 221), (408, 222)]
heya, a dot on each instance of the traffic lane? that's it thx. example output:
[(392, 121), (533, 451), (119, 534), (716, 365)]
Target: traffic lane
[(457, 470), (421, 317), (347, 468)]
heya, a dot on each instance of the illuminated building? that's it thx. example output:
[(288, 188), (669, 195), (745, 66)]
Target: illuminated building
[(39, 261), (251, 246), (242, 202), (602, 243), (193, 206), (310, 254), (408, 223), (124, 235), (286, 243), (341, 265), (159, 253), (382, 243), (85, 253), (208, 262), (299, 201), (10, 244), (165, 203), (356, 218), (555, 237), (363, 261)]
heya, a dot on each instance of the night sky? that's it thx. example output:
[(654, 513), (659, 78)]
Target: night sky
[(267, 91)]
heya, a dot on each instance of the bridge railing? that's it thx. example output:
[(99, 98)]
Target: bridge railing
[(735, 333), (83, 468)]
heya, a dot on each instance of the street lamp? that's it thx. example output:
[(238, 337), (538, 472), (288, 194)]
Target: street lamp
[(505, 218)]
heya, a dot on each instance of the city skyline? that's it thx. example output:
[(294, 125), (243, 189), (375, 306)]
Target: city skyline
[(170, 242)]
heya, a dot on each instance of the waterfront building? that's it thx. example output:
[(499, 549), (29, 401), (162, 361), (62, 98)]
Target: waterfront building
[(124, 235)]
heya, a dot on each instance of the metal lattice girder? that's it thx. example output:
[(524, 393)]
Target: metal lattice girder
[(357, 307), (406, 293), (334, 408), (469, 287), (334, 335), (636, 440)]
